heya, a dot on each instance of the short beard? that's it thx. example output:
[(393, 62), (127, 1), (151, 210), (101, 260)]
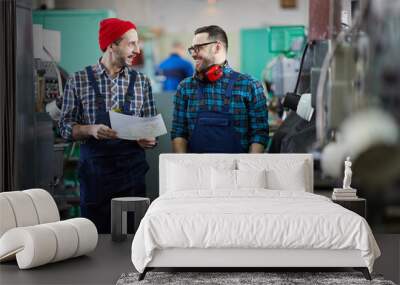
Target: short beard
[(205, 65), (119, 59)]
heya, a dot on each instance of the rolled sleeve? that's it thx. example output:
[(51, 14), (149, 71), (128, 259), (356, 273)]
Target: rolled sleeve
[(258, 115), (149, 106), (179, 121), (70, 110)]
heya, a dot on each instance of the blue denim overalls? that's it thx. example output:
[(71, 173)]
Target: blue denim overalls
[(214, 131), (109, 168)]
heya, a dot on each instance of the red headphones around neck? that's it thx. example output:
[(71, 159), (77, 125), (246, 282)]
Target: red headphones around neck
[(213, 73)]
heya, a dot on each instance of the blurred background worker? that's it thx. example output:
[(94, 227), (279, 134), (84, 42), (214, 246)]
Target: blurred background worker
[(175, 68)]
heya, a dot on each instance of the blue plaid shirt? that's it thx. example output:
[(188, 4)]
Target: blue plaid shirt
[(247, 105), (79, 99)]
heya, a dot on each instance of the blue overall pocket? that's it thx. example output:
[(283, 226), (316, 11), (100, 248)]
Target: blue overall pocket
[(218, 122)]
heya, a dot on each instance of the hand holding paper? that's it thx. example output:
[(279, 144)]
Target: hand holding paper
[(135, 128)]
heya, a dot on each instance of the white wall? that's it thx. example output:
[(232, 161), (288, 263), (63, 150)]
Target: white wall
[(179, 18), (84, 4), (186, 15)]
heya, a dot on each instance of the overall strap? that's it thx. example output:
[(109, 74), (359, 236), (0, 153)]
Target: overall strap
[(228, 93), (93, 83), (130, 92), (200, 96)]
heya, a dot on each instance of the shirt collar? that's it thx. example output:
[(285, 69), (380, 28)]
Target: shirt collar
[(227, 68), (102, 69)]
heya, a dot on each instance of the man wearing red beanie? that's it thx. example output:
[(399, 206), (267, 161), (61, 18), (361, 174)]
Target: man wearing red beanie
[(109, 167)]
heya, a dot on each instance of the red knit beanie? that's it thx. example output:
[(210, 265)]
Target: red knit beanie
[(111, 29)]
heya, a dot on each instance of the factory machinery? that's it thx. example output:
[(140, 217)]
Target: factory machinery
[(347, 99)]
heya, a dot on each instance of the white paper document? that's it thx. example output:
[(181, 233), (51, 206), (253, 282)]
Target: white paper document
[(134, 128)]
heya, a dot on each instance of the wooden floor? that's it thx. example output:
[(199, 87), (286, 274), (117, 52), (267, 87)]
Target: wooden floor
[(110, 260)]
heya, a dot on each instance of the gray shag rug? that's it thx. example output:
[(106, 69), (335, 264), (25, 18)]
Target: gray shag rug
[(242, 278)]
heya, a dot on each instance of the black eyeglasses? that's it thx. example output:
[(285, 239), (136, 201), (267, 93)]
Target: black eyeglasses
[(196, 48)]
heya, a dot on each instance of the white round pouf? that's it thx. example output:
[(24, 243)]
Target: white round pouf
[(23, 208), (33, 246), (67, 239), (45, 205), (87, 234), (31, 233), (7, 216)]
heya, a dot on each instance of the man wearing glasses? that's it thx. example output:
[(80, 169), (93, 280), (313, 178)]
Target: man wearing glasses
[(218, 110), (109, 167)]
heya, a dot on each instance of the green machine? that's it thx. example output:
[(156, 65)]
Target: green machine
[(260, 46), (273, 54), (79, 34)]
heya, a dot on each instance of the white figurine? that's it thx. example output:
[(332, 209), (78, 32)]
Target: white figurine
[(347, 174)]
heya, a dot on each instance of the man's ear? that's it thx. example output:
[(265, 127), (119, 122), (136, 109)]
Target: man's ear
[(113, 46), (218, 47)]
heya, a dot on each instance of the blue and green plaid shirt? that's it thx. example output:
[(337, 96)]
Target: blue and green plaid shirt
[(247, 105), (79, 99)]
